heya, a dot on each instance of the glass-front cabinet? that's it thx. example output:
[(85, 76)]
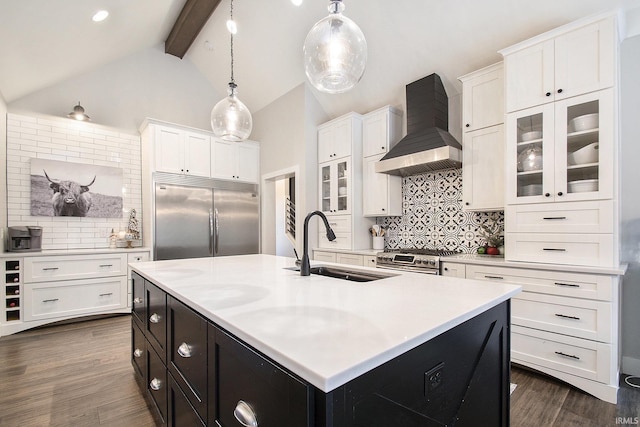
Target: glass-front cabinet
[(561, 151), (335, 186)]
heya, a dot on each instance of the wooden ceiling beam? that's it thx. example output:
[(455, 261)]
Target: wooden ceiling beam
[(192, 19)]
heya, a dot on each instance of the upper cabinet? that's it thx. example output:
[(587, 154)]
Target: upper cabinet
[(483, 98), (335, 137), (560, 65), (181, 151), (238, 161), (336, 187), (483, 139), (381, 193)]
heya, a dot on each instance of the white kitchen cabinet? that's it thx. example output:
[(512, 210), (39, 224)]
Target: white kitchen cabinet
[(381, 193), (336, 186), (572, 60), (483, 98), (238, 161), (564, 324), (180, 151), (483, 169), (335, 138), (324, 256), (345, 258), (450, 269), (350, 259), (551, 156)]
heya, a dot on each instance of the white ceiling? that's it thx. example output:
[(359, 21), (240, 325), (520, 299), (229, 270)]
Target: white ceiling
[(48, 41)]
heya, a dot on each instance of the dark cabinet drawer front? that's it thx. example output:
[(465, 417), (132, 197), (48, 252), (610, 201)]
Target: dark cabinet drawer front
[(156, 320), (181, 413), (138, 353), (157, 382), (187, 356), (274, 396), (138, 302)]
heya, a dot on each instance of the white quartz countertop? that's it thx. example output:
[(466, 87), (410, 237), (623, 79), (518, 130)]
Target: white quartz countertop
[(60, 252), (327, 331)]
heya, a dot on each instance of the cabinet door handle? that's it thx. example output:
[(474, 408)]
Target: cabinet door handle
[(245, 414), (154, 318), (547, 194), (560, 193), (554, 217), (567, 317), (571, 285), (16, 280), (106, 294), (137, 352), (184, 350), (50, 300), (548, 94), (554, 249), (559, 90), (494, 277), (567, 355), (155, 384), (50, 269), (446, 269), (106, 265), (137, 300), (467, 125)]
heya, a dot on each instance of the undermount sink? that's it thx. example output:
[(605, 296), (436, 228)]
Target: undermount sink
[(352, 275)]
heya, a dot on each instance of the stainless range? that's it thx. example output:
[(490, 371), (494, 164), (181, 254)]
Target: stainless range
[(425, 261)]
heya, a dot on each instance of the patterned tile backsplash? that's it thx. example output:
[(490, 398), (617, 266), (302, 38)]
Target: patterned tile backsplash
[(433, 217)]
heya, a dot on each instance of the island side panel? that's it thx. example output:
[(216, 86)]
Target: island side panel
[(461, 376)]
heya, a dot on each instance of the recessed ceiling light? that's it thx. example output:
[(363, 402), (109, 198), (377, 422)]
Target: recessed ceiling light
[(100, 16)]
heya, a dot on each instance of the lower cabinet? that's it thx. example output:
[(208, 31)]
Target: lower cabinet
[(345, 258), (453, 270), (180, 411)]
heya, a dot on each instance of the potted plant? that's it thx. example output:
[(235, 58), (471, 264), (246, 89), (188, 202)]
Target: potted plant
[(492, 232)]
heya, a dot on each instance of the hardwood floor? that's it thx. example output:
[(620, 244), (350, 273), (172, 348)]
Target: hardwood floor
[(79, 374)]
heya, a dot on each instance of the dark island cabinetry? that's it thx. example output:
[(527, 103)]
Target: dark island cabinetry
[(205, 376)]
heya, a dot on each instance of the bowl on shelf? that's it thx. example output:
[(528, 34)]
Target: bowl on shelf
[(530, 159), (584, 122), (530, 190), (342, 191), (586, 154), (583, 185), (530, 136)]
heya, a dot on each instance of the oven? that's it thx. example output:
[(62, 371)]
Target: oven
[(425, 261)]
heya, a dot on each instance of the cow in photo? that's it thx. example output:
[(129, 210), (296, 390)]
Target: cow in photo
[(69, 197)]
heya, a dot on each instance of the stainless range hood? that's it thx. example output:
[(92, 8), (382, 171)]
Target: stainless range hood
[(428, 145)]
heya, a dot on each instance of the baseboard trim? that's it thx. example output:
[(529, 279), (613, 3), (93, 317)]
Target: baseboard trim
[(630, 366)]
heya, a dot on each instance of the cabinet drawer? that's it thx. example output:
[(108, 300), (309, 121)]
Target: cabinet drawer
[(342, 241), (156, 386), (48, 268), (568, 316), (338, 223), (324, 256), (571, 217), (453, 270), (351, 259), (156, 318), (138, 354), (138, 257), (576, 285), (138, 299), (78, 297), (187, 357), (180, 411), (573, 249), (575, 356), (369, 261)]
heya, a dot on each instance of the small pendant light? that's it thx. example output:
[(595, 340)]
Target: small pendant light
[(230, 118), (78, 113), (335, 52)]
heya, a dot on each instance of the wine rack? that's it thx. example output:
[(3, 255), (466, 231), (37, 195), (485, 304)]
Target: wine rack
[(12, 290)]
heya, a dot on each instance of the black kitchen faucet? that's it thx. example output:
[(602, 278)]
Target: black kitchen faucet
[(305, 268)]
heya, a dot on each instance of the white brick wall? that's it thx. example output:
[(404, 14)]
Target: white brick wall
[(70, 141)]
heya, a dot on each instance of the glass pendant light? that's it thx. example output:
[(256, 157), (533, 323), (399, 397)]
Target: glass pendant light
[(78, 113), (335, 52), (230, 118)]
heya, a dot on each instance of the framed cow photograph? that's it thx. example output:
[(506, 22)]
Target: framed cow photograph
[(75, 189)]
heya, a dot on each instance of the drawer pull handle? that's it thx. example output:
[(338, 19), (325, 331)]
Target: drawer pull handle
[(245, 415), (16, 280), (50, 300), (571, 356), (137, 352), (155, 384), (494, 277), (184, 350), (554, 217), (137, 300), (567, 317), (571, 285), (50, 268), (554, 249), (107, 294), (154, 318), (106, 265)]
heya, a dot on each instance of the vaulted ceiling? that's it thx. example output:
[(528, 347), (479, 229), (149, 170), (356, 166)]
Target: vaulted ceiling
[(47, 41)]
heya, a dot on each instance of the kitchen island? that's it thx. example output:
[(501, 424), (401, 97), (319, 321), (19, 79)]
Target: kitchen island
[(248, 336)]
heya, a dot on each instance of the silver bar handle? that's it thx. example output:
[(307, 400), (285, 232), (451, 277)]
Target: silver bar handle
[(106, 265), (217, 227), (554, 249), (50, 300), (571, 356), (50, 268), (554, 217), (245, 414), (571, 285), (494, 277), (184, 350), (567, 317), (210, 231), (107, 294)]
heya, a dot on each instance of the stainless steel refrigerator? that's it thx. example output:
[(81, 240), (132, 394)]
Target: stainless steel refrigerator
[(199, 217)]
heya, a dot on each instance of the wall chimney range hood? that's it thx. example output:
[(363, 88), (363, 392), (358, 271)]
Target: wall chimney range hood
[(428, 145)]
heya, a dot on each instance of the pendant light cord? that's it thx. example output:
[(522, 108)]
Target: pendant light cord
[(231, 16)]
